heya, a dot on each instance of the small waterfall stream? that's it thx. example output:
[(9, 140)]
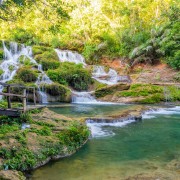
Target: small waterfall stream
[(83, 98), (100, 75), (69, 56), (41, 81), (11, 64)]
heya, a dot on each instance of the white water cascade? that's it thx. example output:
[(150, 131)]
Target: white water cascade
[(69, 56), (109, 78), (83, 98), (41, 80), (11, 64)]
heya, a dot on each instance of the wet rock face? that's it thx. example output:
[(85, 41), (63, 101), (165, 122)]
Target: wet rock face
[(11, 175)]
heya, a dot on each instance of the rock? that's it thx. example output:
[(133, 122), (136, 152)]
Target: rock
[(11, 175), (111, 89)]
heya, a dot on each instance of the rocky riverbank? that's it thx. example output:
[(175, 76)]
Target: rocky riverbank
[(44, 137)]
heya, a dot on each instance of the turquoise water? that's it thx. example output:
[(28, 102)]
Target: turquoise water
[(85, 110), (150, 148)]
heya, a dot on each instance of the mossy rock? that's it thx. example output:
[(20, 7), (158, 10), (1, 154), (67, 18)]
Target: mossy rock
[(59, 90), (111, 89), (152, 99), (137, 90)]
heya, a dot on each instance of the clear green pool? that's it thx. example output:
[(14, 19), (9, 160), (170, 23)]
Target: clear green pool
[(150, 148)]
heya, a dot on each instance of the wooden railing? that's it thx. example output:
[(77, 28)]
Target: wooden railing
[(8, 94)]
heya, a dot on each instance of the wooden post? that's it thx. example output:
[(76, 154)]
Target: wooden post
[(8, 97), (24, 100), (34, 96)]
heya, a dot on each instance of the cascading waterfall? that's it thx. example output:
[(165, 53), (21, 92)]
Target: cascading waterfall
[(69, 56), (41, 81), (11, 64), (109, 78), (98, 73), (83, 98)]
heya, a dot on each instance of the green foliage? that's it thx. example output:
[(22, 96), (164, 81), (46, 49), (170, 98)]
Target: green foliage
[(23, 36), (48, 59), (1, 54), (27, 74), (44, 131), (25, 60), (25, 117), (5, 128), (74, 136), (19, 158), (174, 93), (155, 98), (72, 74), (21, 137), (59, 90), (151, 93)]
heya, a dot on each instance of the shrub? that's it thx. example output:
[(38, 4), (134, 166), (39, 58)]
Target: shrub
[(48, 59), (59, 90), (27, 74), (72, 74)]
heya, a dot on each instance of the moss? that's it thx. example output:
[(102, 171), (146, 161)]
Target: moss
[(110, 90), (152, 93), (155, 98), (137, 90)]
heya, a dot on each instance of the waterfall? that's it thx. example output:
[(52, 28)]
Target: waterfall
[(41, 81), (83, 98), (11, 64), (109, 78), (66, 55)]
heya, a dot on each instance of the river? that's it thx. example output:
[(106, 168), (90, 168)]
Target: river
[(147, 149)]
